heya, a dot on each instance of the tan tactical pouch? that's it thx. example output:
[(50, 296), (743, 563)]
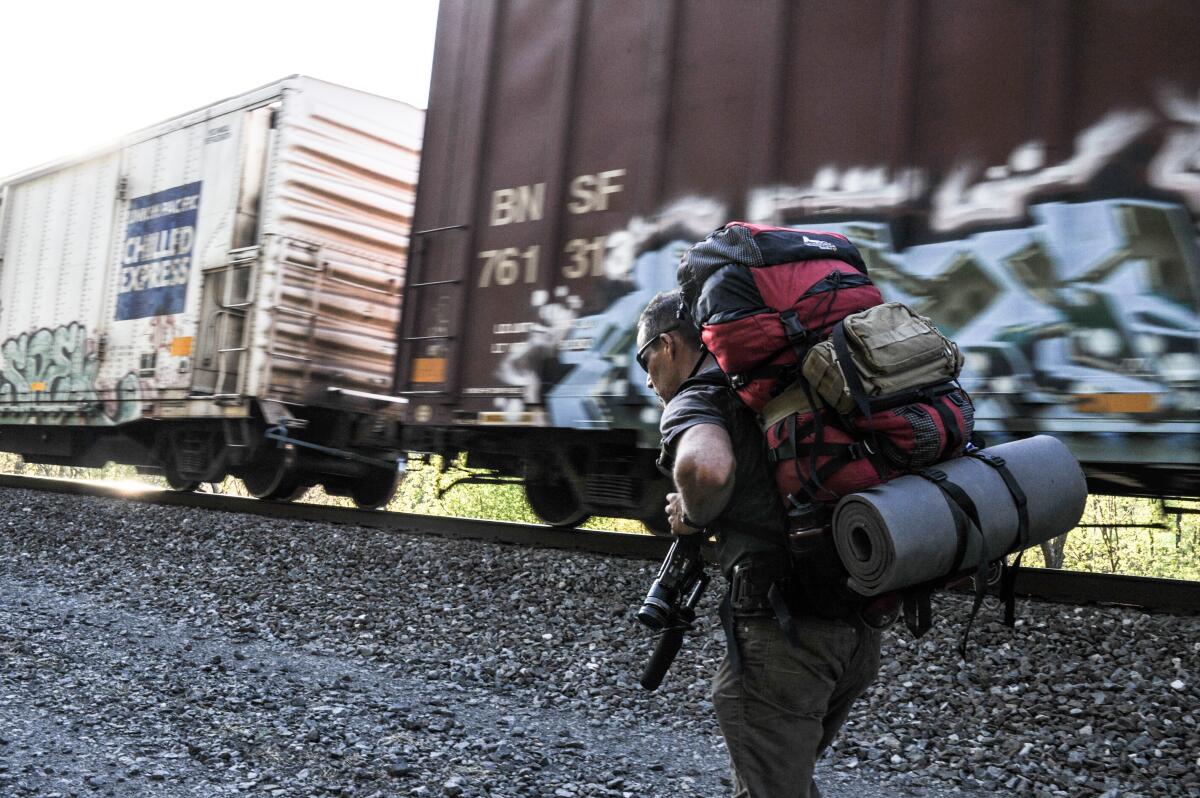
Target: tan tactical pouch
[(791, 401), (893, 349)]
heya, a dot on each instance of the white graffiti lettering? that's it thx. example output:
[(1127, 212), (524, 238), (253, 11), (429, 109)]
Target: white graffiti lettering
[(834, 191), (1006, 191), (1176, 167), (688, 219)]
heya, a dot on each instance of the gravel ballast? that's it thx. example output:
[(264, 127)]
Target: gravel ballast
[(155, 650)]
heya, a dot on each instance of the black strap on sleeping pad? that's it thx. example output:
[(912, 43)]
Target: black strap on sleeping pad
[(966, 518), (961, 507), (1008, 579), (849, 370)]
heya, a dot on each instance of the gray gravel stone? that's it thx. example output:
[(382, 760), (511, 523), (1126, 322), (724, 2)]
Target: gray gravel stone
[(159, 651)]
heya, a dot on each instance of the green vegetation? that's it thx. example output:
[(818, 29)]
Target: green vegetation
[(425, 489), (1132, 536), (1118, 535)]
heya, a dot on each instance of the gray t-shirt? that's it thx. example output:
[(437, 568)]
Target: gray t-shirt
[(754, 521)]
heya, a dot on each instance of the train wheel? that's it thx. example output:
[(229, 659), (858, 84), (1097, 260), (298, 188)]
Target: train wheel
[(289, 491), (179, 484), (375, 490), (274, 477), (555, 502)]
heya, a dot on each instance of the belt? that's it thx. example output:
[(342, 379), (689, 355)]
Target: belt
[(750, 583)]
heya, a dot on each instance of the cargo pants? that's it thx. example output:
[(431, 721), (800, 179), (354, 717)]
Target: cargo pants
[(780, 713)]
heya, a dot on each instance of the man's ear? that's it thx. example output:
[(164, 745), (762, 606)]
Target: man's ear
[(669, 345)]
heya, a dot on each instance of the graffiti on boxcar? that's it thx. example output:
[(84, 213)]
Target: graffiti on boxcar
[(1068, 310), (1004, 192), (686, 220), (1176, 165), (970, 195), (52, 376), (832, 190), (1090, 310), (557, 363)]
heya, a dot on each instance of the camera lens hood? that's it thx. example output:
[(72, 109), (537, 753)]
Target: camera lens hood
[(655, 613)]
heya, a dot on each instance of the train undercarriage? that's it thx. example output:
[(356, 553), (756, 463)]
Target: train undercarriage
[(276, 454), (567, 475)]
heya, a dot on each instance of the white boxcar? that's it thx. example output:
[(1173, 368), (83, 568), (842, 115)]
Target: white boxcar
[(217, 294)]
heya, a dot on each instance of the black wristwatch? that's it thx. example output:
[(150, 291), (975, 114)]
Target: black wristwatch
[(689, 522)]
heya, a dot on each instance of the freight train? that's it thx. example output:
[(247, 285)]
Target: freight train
[(217, 294), (1028, 175)]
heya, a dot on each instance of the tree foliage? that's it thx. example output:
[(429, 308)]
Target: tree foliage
[(1131, 536)]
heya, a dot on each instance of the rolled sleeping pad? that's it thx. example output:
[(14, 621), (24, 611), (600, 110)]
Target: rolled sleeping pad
[(902, 532)]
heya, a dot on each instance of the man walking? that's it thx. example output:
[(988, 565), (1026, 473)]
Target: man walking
[(797, 657)]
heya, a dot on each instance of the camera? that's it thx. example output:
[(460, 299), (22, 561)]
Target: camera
[(670, 606), (680, 582)]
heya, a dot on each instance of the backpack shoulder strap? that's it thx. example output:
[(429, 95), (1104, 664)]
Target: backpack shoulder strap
[(711, 378)]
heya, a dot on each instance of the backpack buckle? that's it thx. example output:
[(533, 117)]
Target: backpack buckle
[(796, 334), (989, 458), (861, 449)]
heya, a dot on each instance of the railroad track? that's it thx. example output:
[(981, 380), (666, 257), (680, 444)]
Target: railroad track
[(1068, 587)]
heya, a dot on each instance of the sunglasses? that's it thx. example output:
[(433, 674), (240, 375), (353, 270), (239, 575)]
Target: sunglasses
[(643, 351)]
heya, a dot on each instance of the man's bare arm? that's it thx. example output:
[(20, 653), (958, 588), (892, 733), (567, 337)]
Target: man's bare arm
[(704, 471)]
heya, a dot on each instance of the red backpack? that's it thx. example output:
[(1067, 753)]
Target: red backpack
[(763, 298)]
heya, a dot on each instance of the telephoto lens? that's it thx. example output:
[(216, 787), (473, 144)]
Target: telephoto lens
[(679, 573), (656, 609)]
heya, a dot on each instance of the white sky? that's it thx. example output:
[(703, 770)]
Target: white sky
[(76, 76)]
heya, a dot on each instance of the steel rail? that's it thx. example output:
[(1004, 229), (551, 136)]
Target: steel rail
[(1173, 596), (599, 542)]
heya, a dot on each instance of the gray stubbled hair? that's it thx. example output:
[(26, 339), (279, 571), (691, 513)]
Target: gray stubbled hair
[(662, 313)]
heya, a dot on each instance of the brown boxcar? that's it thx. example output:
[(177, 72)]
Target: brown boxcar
[(1027, 173)]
